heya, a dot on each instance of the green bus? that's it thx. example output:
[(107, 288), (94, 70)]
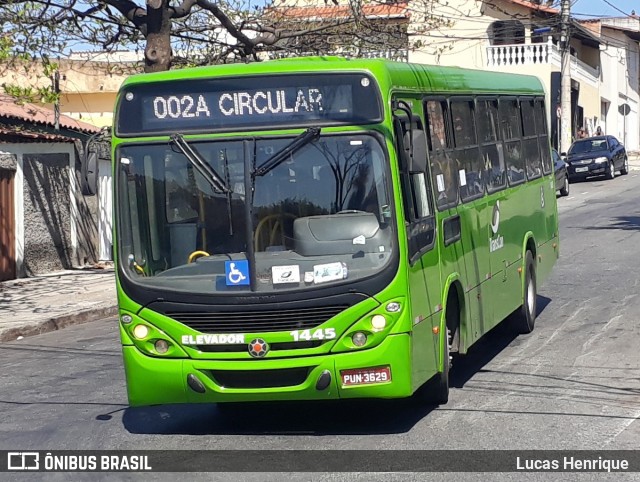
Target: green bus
[(323, 228)]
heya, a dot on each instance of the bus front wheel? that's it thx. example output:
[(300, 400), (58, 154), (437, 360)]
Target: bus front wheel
[(526, 314)]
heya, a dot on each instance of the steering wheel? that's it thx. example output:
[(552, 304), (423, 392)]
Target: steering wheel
[(195, 255)]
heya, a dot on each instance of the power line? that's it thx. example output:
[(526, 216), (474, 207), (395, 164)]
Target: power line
[(616, 8)]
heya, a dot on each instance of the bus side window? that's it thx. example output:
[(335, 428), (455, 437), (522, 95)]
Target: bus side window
[(530, 148), (443, 167), (543, 139), (511, 130), (468, 162), (490, 147)]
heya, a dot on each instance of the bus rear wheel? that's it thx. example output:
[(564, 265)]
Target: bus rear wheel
[(525, 318)]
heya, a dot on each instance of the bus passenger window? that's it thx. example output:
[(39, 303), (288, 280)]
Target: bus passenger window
[(532, 158), (437, 131), (515, 162), (443, 168), (445, 183), (494, 166), (490, 147), (487, 115), (470, 173), (530, 142), (466, 153), (510, 124), (543, 139)]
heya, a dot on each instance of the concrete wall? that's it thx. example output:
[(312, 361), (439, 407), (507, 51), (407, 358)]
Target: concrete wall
[(56, 225), (620, 86), (47, 214), (93, 107), (8, 161)]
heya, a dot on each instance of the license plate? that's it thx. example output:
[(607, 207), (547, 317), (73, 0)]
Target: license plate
[(365, 376), (582, 169)]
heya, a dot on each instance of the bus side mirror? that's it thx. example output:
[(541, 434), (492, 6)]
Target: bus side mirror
[(402, 144), (419, 154), (412, 144), (90, 174)]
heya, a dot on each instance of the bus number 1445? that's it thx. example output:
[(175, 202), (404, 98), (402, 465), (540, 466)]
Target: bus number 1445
[(321, 334)]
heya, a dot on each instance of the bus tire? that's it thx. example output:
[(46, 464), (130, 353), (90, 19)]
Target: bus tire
[(525, 318)]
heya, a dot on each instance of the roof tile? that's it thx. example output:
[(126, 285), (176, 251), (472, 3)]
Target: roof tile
[(342, 11), (39, 115)]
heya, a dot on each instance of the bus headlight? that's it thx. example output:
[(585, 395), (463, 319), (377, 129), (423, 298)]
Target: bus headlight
[(141, 331), (161, 346), (393, 307), (359, 338), (378, 322), (126, 319)]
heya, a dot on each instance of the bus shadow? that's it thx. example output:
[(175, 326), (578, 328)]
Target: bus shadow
[(340, 417), (488, 347), (315, 418)]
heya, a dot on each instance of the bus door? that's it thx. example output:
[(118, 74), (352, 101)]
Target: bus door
[(444, 172), (423, 266)]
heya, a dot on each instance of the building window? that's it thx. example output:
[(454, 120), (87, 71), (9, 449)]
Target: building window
[(506, 32)]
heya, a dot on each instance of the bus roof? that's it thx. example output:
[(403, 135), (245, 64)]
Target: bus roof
[(389, 74)]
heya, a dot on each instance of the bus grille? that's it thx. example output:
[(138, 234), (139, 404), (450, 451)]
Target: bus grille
[(256, 321), (286, 377), (236, 348)]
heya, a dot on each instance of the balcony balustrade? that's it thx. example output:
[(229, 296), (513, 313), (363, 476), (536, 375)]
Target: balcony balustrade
[(512, 56)]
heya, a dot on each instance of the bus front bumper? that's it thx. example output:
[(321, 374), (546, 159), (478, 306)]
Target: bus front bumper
[(152, 381)]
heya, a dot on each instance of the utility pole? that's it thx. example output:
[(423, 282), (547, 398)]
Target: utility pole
[(565, 79), (55, 80)]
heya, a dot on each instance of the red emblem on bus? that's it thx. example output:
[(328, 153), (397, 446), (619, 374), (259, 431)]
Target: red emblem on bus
[(258, 348)]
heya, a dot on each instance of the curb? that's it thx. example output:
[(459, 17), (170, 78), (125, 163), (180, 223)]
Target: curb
[(58, 322)]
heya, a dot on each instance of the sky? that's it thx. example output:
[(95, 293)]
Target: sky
[(602, 8)]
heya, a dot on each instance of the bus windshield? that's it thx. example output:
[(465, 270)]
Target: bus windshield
[(317, 214)]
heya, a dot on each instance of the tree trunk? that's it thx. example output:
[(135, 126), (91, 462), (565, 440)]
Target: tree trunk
[(157, 53)]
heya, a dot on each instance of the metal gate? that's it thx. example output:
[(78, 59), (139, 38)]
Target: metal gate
[(7, 226)]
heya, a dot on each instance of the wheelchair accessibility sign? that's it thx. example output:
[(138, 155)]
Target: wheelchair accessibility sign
[(237, 272)]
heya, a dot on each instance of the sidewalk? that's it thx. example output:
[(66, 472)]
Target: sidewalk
[(30, 306)]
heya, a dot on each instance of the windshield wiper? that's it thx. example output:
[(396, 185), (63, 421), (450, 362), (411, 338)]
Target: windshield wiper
[(200, 164), (295, 145)]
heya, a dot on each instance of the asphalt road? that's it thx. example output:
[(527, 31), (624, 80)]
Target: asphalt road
[(572, 384)]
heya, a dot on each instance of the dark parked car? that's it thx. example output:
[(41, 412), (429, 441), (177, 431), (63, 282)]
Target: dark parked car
[(596, 156), (562, 176)]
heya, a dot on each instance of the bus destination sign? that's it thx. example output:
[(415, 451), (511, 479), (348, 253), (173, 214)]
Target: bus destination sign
[(234, 104)]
